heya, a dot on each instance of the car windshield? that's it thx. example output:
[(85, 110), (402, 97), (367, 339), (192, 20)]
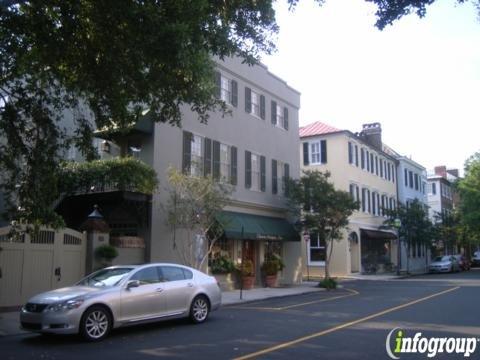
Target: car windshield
[(438, 258), (105, 277), (446, 258)]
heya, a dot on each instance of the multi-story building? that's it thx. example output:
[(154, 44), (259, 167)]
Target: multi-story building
[(412, 185), (358, 164), (251, 148)]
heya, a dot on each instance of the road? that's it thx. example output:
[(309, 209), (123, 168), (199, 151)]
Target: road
[(349, 323)]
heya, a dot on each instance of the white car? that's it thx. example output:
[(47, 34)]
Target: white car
[(447, 263), (476, 258), (120, 296)]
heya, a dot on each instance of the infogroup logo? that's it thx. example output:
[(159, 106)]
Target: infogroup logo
[(418, 344)]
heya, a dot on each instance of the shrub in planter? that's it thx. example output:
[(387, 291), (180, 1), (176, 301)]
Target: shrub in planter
[(328, 284), (106, 252), (272, 265), (221, 265)]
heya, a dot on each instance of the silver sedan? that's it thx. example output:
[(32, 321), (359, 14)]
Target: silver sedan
[(120, 296)]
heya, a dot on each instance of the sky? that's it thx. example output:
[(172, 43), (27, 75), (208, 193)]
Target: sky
[(419, 78)]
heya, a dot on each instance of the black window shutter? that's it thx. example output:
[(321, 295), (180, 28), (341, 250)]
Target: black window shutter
[(263, 170), (216, 160), (187, 151), (207, 157), (356, 155), (248, 169), (372, 169), (286, 178), (274, 113), (305, 154), (357, 193), (233, 165), (274, 177), (262, 107), (362, 158), (323, 146), (285, 118), (218, 84), (234, 93), (248, 100), (350, 153)]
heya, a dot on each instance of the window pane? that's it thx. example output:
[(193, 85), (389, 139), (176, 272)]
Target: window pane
[(147, 276), (171, 273), (317, 254)]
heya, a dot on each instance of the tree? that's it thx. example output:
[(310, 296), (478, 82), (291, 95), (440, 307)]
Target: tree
[(416, 228), (193, 206), (323, 209), (106, 62), (468, 189)]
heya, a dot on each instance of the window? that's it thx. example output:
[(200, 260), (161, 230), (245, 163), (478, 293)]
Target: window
[(434, 189), (389, 173), (279, 176), (280, 118), (381, 168), (364, 200), (225, 163), (255, 104), (147, 276), (362, 157), (318, 152), (196, 168), (372, 163), (316, 250), (172, 273), (355, 192), (416, 182), (227, 89), (376, 165), (255, 172), (374, 203), (367, 158), (405, 175), (410, 179)]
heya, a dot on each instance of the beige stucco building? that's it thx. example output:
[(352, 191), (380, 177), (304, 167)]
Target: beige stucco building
[(358, 165)]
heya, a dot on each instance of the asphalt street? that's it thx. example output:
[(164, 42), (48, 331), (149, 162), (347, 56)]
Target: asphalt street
[(348, 323)]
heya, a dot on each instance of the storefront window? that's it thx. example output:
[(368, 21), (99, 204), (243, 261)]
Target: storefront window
[(316, 250)]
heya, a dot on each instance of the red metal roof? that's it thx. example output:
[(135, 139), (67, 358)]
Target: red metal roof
[(317, 128)]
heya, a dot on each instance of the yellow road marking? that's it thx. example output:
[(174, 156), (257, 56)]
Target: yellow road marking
[(339, 327), (351, 291)]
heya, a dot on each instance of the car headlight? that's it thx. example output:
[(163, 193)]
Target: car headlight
[(65, 305)]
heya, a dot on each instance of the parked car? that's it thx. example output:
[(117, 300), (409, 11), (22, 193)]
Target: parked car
[(476, 258), (447, 263), (462, 262), (123, 295)]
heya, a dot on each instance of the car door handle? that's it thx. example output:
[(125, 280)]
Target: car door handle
[(190, 285), (159, 290)]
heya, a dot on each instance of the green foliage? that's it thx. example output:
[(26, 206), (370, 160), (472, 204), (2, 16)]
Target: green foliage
[(193, 205), (416, 226), (328, 283), (118, 173), (469, 191), (103, 63), (107, 252), (246, 268), (272, 265), (221, 265), (322, 208)]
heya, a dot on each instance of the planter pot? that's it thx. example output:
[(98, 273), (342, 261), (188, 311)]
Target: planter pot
[(270, 281), (225, 281), (248, 282)]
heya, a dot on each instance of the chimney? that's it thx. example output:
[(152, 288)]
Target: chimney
[(453, 172), (441, 171), (372, 133)]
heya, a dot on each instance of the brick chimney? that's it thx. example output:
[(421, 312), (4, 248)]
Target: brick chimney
[(372, 133), (441, 171)]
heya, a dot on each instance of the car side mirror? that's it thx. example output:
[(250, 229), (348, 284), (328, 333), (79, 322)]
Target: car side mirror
[(133, 284)]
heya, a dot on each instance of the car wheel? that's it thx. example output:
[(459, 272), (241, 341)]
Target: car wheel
[(199, 309), (96, 323)]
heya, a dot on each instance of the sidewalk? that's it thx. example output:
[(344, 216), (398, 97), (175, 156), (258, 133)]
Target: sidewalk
[(10, 322)]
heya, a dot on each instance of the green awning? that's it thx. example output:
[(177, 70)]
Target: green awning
[(251, 227)]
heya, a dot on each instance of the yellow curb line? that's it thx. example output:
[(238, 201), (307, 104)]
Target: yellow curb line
[(352, 293), (339, 327)]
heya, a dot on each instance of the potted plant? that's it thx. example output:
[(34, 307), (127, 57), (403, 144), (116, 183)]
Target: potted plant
[(222, 267), (247, 272), (271, 266)]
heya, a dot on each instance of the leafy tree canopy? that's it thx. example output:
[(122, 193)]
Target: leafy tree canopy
[(322, 208), (469, 191)]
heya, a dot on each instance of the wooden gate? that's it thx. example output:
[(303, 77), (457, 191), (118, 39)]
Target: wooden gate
[(32, 264)]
